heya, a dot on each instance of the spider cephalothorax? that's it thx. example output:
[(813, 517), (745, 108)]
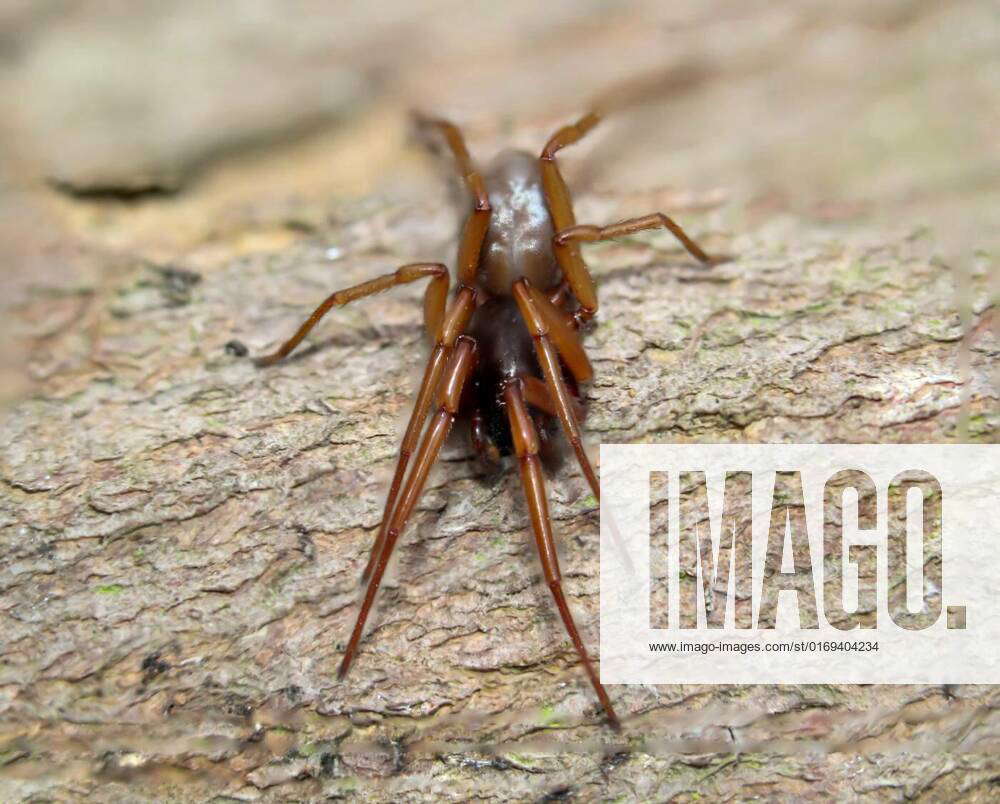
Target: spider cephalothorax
[(506, 350)]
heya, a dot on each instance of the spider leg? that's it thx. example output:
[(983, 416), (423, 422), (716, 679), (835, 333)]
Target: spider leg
[(470, 245), (459, 367), (561, 209), (548, 359), (593, 234), (478, 221), (450, 329), (558, 294), (536, 394), (482, 442), (434, 301), (526, 447), (555, 393), (563, 335)]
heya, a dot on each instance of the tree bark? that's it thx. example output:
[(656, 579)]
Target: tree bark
[(183, 532)]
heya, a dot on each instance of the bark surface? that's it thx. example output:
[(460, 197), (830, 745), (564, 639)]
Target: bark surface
[(182, 532)]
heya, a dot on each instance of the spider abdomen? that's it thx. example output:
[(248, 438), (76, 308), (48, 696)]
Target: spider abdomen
[(506, 352), (519, 239)]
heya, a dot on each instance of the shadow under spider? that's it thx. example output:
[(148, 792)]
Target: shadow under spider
[(356, 338), (683, 272)]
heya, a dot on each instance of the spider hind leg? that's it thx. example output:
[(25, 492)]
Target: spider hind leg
[(527, 448)]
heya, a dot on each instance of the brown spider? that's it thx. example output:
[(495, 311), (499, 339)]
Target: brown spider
[(507, 353)]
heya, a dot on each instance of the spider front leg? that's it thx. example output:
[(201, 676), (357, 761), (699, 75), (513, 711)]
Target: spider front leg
[(526, 447), (474, 229), (560, 205)]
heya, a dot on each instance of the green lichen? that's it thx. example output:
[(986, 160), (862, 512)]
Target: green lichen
[(548, 716)]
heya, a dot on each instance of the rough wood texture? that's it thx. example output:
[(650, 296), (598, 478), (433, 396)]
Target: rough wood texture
[(182, 533)]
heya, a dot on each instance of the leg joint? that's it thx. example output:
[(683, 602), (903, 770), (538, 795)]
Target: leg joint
[(434, 270), (555, 586)]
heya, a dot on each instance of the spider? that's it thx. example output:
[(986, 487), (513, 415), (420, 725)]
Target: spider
[(506, 353)]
